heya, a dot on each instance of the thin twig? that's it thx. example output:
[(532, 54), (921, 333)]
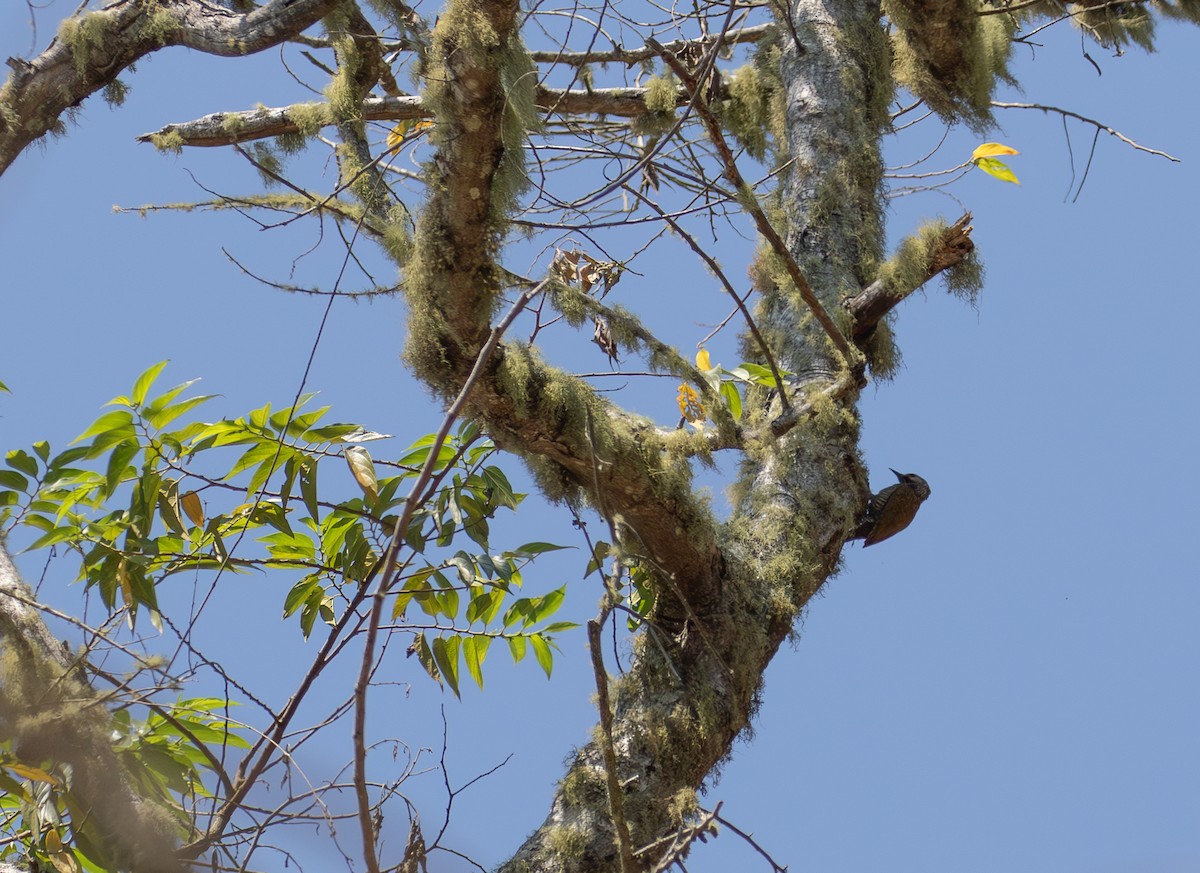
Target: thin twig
[(416, 498), (615, 800), (749, 838), (746, 196), (1099, 125), (720, 274)]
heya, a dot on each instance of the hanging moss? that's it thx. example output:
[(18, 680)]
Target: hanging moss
[(567, 843), (965, 279), (115, 93), (910, 267), (1116, 25), (661, 99), (309, 118), (951, 57), (882, 352), (750, 107), (168, 142), (82, 35), (397, 238)]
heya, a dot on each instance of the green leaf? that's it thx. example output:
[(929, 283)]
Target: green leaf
[(545, 606), (300, 592), (474, 651), (261, 454), (733, 399), (57, 535), (541, 651), (301, 423), (144, 381), (559, 626), (445, 655), (110, 428), (484, 606), (15, 481), (502, 492), (418, 456), (23, 461), (118, 465), (420, 648), (462, 562), (308, 487), (4, 388), (290, 547), (755, 373), (518, 611), (270, 512), (601, 551), (168, 509), (516, 645), (997, 168), (530, 549), (160, 418), (343, 433)]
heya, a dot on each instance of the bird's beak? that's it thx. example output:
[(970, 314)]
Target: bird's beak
[(899, 476)]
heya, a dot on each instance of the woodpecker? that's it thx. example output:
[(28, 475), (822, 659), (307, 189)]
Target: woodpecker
[(892, 509)]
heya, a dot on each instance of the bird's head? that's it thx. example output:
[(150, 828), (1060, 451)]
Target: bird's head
[(912, 480)]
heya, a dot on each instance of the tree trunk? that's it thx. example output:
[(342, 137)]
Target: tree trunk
[(695, 679)]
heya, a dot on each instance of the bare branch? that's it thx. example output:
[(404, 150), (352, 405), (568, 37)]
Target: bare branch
[(628, 865), (620, 55), (1099, 125)]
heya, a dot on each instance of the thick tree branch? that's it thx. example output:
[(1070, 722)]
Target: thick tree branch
[(227, 128), (93, 48), (880, 297), (453, 285)]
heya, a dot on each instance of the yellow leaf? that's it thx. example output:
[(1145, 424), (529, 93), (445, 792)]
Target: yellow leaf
[(702, 360), (991, 149), (395, 137), (34, 773), (690, 406), (996, 167), (363, 470), (193, 508), (398, 134), (53, 842)]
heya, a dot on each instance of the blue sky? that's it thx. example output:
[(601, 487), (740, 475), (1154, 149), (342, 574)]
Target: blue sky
[(1010, 685)]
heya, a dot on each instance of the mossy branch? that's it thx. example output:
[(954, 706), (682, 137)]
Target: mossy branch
[(933, 249), (93, 48), (227, 128)]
